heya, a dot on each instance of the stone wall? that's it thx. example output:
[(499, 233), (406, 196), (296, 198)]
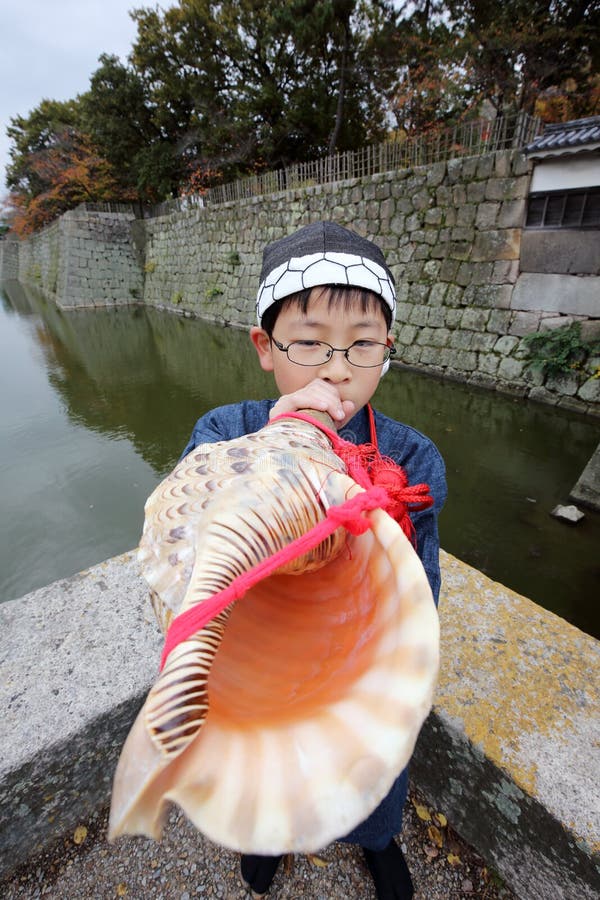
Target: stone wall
[(452, 235), (9, 259), (84, 259)]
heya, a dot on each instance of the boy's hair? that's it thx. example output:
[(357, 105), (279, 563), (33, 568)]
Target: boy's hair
[(336, 295), (323, 254)]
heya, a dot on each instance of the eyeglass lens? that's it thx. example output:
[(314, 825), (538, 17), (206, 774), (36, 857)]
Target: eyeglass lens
[(315, 353)]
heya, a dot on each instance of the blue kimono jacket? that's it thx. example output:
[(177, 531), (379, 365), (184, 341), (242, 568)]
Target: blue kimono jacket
[(422, 462)]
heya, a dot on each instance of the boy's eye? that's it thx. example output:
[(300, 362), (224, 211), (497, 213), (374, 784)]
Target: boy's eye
[(308, 344), (364, 345)]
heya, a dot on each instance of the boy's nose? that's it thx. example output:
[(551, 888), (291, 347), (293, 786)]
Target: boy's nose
[(336, 368)]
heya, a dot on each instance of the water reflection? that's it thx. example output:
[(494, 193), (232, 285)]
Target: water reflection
[(104, 402)]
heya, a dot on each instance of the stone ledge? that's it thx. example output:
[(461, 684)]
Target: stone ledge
[(506, 752), (511, 751)]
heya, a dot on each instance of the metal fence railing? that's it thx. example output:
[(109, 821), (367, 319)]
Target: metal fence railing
[(473, 138)]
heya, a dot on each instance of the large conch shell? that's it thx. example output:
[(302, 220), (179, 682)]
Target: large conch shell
[(281, 724)]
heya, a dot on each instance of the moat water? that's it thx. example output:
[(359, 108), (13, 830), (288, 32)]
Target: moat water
[(97, 406)]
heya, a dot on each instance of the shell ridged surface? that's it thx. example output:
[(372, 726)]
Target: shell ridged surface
[(281, 725)]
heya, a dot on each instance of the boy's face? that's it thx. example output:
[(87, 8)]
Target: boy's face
[(335, 324)]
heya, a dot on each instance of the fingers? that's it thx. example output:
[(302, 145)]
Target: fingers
[(319, 395)]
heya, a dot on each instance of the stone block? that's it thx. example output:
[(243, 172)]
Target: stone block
[(485, 166), (443, 195), (465, 360), (505, 271), (439, 337), (476, 192), (521, 165), (510, 369), (498, 244), (487, 215), (454, 168), (422, 200), (436, 173), (438, 292), (411, 354), (543, 395), (489, 296), (481, 272), (512, 214), (505, 345), (488, 363), (524, 323), (387, 209), (502, 163), (403, 311), (564, 383), (469, 169), (418, 315), (466, 213), (413, 223), (431, 268), (450, 216), (464, 274), (454, 295), (459, 250), (382, 190), (429, 356), (413, 270), (460, 339), (436, 317), (475, 319), (459, 195), (406, 334), (434, 216), (453, 317), (568, 294), (448, 269), (499, 321), (424, 336)]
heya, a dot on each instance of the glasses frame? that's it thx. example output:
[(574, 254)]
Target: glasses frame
[(391, 351)]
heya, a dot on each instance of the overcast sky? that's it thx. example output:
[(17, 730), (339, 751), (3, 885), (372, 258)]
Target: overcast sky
[(50, 48)]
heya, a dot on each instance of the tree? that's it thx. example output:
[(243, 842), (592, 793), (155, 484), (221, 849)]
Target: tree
[(519, 49), (33, 134), (240, 83), (432, 85), (115, 112), (68, 171)]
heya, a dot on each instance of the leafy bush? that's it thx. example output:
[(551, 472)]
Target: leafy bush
[(559, 350)]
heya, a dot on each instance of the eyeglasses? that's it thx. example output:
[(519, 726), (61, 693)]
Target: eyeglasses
[(364, 354)]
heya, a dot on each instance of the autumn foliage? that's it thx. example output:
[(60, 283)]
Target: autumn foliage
[(69, 171)]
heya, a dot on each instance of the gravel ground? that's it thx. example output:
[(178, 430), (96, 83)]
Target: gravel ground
[(184, 866)]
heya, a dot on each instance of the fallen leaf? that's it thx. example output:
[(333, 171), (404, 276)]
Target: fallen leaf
[(80, 834), (423, 813), (453, 859), (317, 860), (121, 889), (432, 852), (435, 835), (441, 819)]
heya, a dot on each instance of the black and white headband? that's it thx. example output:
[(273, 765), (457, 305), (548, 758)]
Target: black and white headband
[(323, 253)]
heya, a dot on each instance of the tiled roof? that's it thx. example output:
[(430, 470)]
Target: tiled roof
[(567, 137)]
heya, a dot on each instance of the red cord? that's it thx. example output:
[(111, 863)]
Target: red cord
[(385, 487)]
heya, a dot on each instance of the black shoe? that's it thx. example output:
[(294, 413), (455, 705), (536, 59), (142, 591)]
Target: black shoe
[(390, 873), (258, 872)]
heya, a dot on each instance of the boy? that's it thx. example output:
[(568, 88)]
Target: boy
[(325, 307)]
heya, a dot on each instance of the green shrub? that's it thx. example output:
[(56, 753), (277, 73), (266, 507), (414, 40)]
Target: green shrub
[(559, 350)]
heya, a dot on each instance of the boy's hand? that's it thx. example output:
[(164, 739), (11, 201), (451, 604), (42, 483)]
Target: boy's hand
[(319, 395)]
